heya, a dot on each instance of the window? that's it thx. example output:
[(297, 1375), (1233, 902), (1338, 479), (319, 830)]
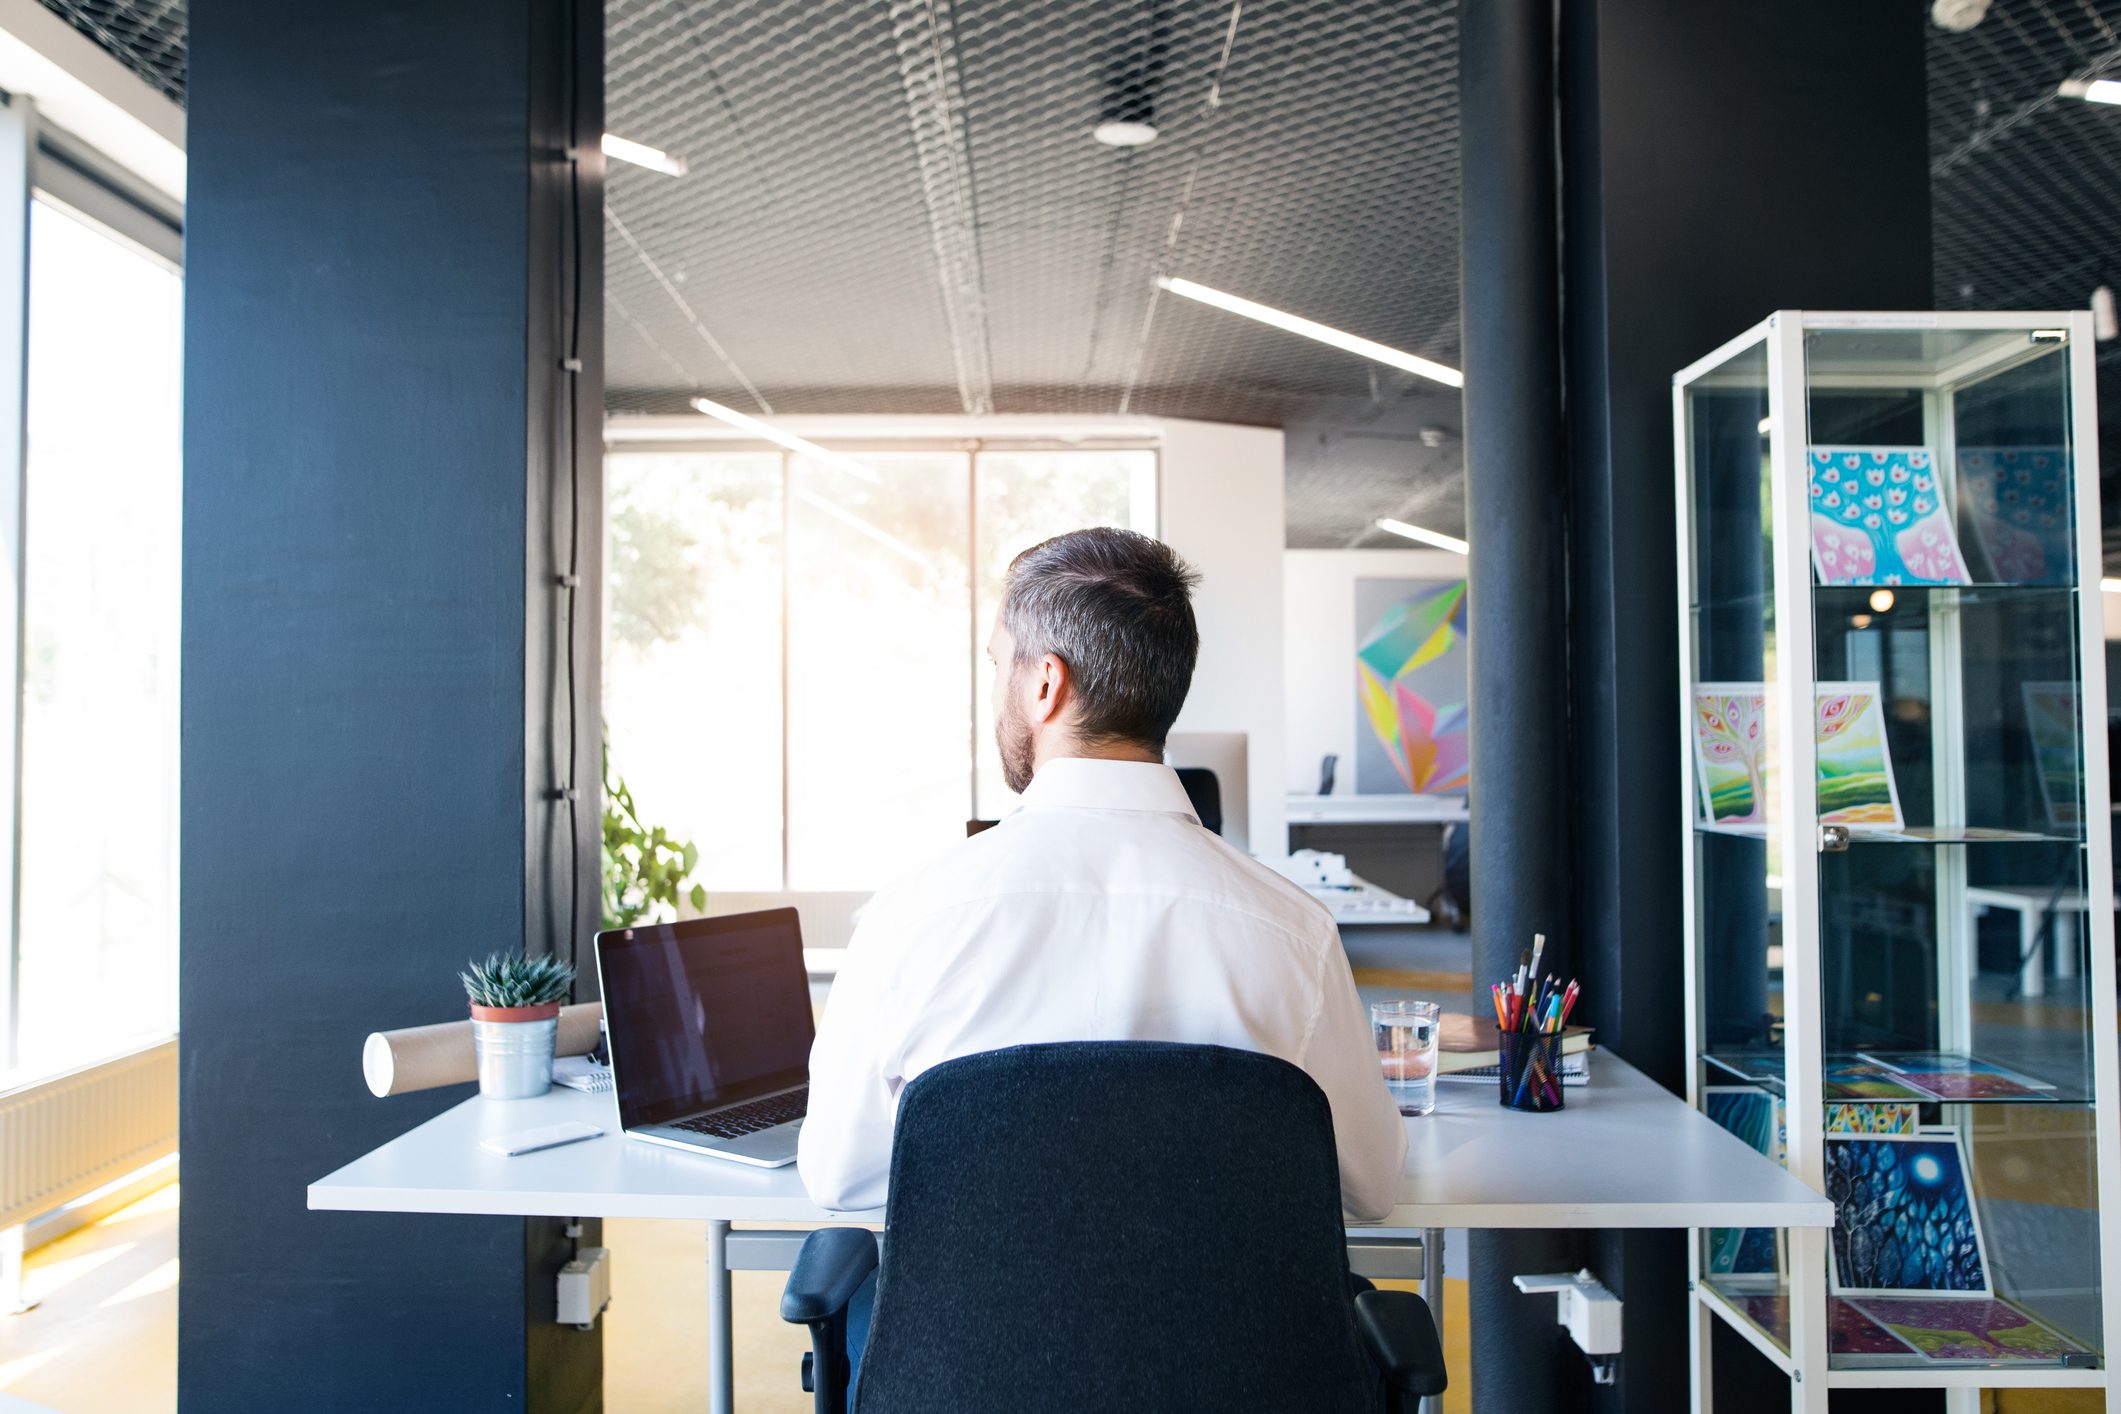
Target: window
[(795, 676), (97, 936)]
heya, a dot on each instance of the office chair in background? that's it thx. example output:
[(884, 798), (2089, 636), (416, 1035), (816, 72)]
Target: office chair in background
[(1112, 1226), (1206, 794)]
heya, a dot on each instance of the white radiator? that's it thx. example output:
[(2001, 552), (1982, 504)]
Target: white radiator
[(68, 1135)]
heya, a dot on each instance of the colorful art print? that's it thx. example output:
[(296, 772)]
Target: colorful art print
[(1410, 669), (1904, 1219), (1962, 1330), (2054, 719), (1878, 518), (1949, 1075), (1852, 1331), (1855, 1078), (2018, 503), (1756, 1117), (1730, 751), (1888, 1117), (1757, 1065), (1855, 770)]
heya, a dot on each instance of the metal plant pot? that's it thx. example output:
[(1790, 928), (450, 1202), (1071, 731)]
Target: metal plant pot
[(514, 1046)]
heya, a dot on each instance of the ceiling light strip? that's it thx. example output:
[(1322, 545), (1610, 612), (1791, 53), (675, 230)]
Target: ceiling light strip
[(1312, 329), (802, 446), (640, 154), (854, 522), (1427, 537)]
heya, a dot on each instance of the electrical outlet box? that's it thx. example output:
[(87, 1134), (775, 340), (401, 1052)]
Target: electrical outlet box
[(585, 1288)]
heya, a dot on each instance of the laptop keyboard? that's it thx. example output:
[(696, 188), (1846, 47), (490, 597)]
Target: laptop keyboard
[(740, 1120)]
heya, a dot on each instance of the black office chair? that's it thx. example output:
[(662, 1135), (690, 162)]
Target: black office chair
[(1205, 793), (1112, 1226)]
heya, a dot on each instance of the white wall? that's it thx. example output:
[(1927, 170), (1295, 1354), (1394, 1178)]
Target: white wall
[(1222, 509), (1318, 655)]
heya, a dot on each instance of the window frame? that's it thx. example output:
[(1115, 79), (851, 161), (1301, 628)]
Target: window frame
[(42, 162)]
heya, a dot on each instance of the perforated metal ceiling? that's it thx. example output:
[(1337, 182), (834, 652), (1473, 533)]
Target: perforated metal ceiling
[(898, 206), (894, 205)]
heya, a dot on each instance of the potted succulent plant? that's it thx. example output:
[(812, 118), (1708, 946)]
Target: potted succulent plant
[(515, 1015)]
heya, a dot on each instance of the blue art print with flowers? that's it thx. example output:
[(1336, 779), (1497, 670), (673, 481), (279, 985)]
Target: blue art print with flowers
[(2018, 503), (1904, 1221), (1878, 518)]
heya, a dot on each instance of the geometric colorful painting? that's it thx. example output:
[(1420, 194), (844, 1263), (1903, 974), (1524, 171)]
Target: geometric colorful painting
[(1410, 664), (1878, 518)]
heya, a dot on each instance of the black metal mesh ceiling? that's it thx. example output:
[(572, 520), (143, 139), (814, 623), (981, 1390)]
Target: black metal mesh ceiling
[(896, 205), (147, 36)]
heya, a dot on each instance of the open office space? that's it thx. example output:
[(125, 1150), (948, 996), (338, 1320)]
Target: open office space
[(1058, 705)]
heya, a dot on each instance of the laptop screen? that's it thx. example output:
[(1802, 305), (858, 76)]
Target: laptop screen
[(704, 1013)]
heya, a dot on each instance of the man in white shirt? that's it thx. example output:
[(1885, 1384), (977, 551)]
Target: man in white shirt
[(1099, 910)]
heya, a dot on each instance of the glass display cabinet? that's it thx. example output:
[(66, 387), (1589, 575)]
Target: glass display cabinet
[(1898, 873)]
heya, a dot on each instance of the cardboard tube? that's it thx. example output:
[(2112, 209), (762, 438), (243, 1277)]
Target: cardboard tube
[(424, 1057)]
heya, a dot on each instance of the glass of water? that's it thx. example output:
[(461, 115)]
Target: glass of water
[(1406, 1047)]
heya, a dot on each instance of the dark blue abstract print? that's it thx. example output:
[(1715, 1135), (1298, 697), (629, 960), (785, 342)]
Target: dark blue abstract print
[(1903, 1216)]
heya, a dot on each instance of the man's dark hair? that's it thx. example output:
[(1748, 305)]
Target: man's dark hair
[(1117, 608)]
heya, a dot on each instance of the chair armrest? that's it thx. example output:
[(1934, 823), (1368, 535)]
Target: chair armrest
[(1401, 1337), (830, 1268)]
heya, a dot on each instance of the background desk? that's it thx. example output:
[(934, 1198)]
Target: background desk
[(1639, 1157), (1394, 840)]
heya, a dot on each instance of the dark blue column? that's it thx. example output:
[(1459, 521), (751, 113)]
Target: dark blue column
[(1701, 147), (380, 291), (1517, 637)]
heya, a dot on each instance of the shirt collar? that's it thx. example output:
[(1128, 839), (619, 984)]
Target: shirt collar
[(1081, 783)]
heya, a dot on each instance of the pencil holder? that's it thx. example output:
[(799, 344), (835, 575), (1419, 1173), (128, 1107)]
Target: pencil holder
[(1531, 1071)]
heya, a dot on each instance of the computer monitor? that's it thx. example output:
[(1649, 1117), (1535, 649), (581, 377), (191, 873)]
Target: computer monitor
[(1223, 753)]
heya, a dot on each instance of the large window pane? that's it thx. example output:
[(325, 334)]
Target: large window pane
[(879, 667), (99, 711), (692, 653), (1026, 497)]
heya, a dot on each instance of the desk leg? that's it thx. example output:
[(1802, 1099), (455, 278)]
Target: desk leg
[(2032, 981), (2066, 949), (721, 1337), (1432, 1292)]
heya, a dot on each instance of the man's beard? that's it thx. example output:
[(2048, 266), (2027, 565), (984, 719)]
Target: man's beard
[(1013, 735)]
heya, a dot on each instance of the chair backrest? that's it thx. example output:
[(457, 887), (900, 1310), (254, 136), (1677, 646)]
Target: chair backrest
[(1114, 1226), (1206, 794)]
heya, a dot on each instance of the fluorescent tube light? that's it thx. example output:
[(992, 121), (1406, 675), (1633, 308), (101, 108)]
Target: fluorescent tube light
[(2093, 91), (1312, 329), (854, 522), (2111, 586), (789, 440), (640, 154), (1426, 537)]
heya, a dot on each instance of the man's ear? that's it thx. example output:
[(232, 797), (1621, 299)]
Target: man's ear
[(1050, 685)]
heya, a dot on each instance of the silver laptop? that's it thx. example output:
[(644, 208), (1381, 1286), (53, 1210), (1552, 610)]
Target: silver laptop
[(710, 1033)]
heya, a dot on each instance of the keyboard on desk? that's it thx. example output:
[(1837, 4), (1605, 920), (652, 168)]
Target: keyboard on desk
[(740, 1120)]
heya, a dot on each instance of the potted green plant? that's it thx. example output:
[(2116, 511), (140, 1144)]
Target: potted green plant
[(515, 1016)]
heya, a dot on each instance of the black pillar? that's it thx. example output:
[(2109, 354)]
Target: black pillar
[(1701, 143), (389, 258), (1516, 599)]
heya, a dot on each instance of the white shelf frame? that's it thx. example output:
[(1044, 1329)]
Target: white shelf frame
[(1781, 338)]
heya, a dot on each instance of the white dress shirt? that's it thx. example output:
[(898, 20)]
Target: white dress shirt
[(1098, 911)]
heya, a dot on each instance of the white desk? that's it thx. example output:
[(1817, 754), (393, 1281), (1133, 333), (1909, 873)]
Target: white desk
[(1625, 1153), (2031, 904), (1376, 809)]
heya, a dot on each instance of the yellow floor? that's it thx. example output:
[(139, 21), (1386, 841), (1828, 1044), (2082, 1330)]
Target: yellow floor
[(659, 1308), (104, 1338)]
